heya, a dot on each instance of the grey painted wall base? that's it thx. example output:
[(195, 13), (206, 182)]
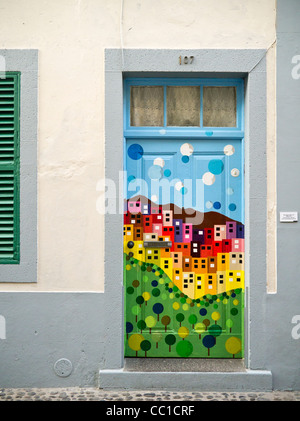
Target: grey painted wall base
[(43, 328), (249, 380)]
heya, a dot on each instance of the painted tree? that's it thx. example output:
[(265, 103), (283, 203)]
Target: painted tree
[(180, 318), (140, 300), (130, 290), (234, 311), (146, 296), (170, 340), (135, 283), (206, 323), (209, 341), (183, 332), (129, 328), (200, 328), (229, 324), (215, 331), (149, 267), (145, 346), (192, 320), (150, 322), (157, 337), (184, 349), (175, 288), (158, 308), (141, 325), (165, 321), (215, 316), (202, 311), (134, 342), (233, 345), (156, 292), (135, 311)]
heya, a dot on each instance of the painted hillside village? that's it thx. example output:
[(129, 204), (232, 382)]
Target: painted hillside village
[(200, 253), (184, 282)]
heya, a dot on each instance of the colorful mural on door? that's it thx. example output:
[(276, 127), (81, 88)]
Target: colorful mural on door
[(184, 268)]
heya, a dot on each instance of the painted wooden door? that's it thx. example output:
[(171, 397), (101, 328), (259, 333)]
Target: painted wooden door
[(184, 248)]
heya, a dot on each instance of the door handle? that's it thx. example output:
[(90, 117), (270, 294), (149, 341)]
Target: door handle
[(157, 244)]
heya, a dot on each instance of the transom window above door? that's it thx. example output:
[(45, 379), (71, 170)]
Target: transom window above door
[(194, 104)]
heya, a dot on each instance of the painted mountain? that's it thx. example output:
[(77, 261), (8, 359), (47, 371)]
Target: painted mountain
[(198, 219)]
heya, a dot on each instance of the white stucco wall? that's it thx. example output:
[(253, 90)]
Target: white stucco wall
[(71, 36)]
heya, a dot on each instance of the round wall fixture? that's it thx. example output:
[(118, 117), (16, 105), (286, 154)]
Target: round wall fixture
[(63, 367)]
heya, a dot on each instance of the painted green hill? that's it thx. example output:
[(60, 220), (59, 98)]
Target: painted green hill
[(163, 322)]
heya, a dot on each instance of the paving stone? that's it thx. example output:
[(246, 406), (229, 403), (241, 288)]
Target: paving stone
[(95, 394)]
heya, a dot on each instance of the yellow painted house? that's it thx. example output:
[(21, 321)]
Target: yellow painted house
[(196, 276)]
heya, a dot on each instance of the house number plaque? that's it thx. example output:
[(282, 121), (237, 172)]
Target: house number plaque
[(186, 59)]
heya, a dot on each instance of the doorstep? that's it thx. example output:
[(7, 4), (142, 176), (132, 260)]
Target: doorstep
[(185, 375)]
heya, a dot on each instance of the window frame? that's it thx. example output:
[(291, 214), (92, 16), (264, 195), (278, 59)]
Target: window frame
[(25, 62), (190, 131), (16, 170)]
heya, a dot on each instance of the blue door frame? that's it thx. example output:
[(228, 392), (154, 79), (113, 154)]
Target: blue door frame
[(202, 317)]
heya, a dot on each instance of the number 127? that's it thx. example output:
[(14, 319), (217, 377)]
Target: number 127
[(186, 59)]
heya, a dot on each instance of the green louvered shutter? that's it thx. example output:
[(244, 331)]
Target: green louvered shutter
[(9, 168)]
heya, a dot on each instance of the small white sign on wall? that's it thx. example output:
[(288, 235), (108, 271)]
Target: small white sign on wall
[(288, 216)]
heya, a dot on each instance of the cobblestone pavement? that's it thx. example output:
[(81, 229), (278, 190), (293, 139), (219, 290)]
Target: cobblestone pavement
[(95, 394)]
